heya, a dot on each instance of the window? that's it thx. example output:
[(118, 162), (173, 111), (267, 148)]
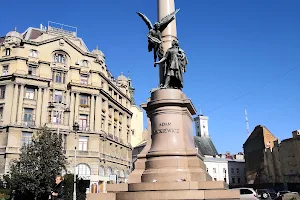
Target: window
[(29, 93), (2, 91), (237, 170), (83, 99), (33, 53), (233, 180), (58, 77), (225, 180), (84, 79), (224, 170), (84, 63), (83, 142), (59, 58), (56, 117), (5, 70), (245, 191), (132, 131), (83, 170), (26, 138), (7, 52), (101, 171), (83, 122), (206, 169), (232, 170), (214, 170), (122, 174), (58, 96), (238, 180), (215, 179), (28, 115), (108, 171), (1, 113), (31, 70)]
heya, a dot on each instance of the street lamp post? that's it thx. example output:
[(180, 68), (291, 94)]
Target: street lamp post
[(75, 129)]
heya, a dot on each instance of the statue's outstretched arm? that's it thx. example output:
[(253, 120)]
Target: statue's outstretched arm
[(161, 61)]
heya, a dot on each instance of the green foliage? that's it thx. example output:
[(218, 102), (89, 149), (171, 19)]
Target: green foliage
[(69, 187), (33, 174)]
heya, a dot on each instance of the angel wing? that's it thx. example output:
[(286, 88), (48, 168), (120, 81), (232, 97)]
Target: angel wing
[(146, 20), (164, 22)]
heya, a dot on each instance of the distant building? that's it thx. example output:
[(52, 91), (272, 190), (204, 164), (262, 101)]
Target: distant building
[(226, 167), (269, 161)]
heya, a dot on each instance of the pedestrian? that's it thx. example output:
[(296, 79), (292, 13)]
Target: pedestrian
[(57, 192)]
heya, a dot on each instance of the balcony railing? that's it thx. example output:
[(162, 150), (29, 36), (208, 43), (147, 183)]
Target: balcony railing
[(28, 123), (83, 128)]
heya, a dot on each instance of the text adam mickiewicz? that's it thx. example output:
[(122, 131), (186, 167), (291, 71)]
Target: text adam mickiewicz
[(165, 128)]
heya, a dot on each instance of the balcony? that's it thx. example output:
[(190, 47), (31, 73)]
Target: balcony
[(28, 123), (84, 128)]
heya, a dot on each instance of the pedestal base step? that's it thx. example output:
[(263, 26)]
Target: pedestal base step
[(212, 190)]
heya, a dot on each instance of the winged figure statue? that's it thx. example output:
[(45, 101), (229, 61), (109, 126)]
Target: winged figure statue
[(155, 32)]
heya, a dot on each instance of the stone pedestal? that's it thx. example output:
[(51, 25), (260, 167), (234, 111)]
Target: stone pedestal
[(170, 168)]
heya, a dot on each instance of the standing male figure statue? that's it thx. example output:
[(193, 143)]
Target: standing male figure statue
[(175, 65)]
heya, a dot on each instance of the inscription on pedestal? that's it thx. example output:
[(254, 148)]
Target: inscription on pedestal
[(166, 128)]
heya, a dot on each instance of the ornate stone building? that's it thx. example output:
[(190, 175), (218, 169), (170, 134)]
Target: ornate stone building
[(49, 77)]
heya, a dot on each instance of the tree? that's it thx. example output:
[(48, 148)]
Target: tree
[(33, 174), (69, 187)]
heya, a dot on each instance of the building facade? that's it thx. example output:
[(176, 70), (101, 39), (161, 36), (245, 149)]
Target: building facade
[(227, 168), (269, 161), (49, 77)]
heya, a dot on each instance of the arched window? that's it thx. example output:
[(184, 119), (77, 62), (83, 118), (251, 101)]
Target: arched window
[(108, 171), (85, 63), (101, 171), (33, 53), (122, 174), (83, 170), (59, 58), (116, 171)]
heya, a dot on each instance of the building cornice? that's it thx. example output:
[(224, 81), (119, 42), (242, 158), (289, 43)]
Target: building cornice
[(58, 38), (111, 84), (8, 58), (83, 86), (37, 78), (115, 102)]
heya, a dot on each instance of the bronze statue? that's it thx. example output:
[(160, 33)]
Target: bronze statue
[(175, 65), (154, 35)]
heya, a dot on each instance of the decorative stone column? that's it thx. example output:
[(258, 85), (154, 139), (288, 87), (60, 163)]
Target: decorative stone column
[(92, 113), (20, 106), (38, 108), (165, 7), (8, 104), (15, 104)]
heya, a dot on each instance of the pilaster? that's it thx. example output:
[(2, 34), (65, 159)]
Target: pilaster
[(45, 106), (72, 109), (15, 104), (8, 103), (20, 105), (76, 111), (98, 114), (92, 113), (38, 108)]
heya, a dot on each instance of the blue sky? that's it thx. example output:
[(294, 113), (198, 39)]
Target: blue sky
[(233, 47)]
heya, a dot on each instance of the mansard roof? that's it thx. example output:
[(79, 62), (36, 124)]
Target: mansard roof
[(205, 146)]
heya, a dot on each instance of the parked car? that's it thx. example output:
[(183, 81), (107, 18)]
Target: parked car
[(247, 193), (282, 194), (267, 194)]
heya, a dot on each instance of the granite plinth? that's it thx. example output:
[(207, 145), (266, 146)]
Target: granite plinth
[(169, 166)]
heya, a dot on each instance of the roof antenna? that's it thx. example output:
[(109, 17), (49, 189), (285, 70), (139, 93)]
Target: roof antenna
[(247, 123), (15, 29)]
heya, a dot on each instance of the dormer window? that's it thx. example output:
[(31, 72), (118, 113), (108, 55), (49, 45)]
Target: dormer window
[(33, 53), (60, 58), (84, 63), (7, 52)]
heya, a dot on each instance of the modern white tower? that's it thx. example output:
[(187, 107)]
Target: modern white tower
[(201, 126)]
